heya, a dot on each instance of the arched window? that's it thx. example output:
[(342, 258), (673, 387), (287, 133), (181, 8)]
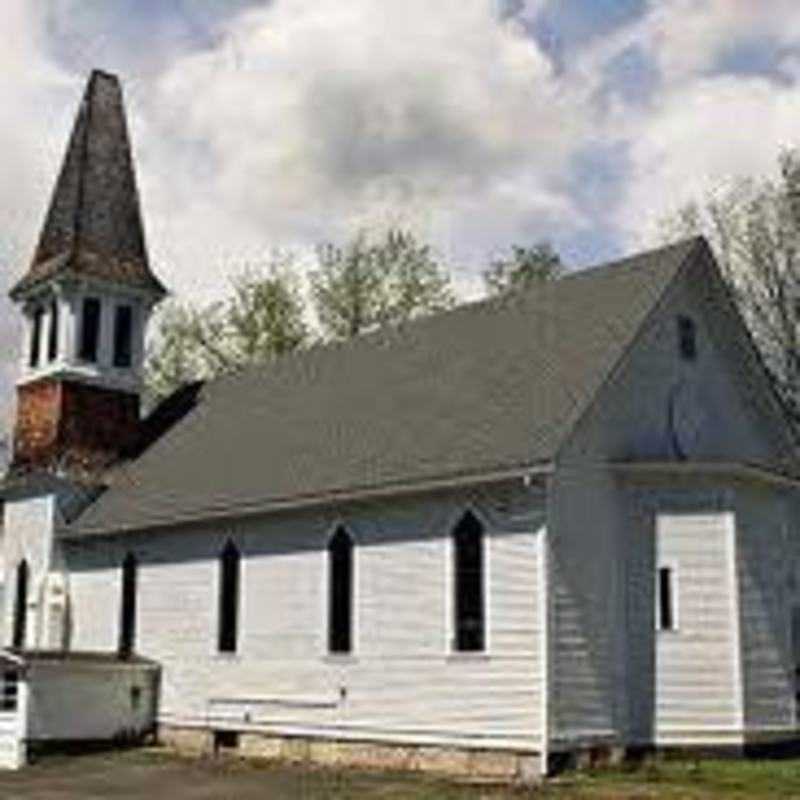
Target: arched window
[(21, 605), (469, 603), (127, 623), (229, 561), (340, 592)]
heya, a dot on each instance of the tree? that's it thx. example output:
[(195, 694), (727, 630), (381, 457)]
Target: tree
[(754, 228), (522, 268), (261, 319), (368, 283)]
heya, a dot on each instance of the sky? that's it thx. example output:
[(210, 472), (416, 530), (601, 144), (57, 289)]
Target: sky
[(477, 123)]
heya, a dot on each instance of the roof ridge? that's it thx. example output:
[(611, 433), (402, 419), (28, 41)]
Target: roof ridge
[(494, 303)]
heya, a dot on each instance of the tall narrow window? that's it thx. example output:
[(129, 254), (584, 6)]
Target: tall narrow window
[(687, 338), (123, 330), (21, 605), (90, 329), (52, 336), (666, 599), (36, 337), (229, 562), (340, 596), (127, 623), (468, 574)]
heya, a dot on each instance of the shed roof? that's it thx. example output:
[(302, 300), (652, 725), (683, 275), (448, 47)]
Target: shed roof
[(488, 386)]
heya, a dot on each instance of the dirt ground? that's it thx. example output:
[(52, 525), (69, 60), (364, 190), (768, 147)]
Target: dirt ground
[(155, 774)]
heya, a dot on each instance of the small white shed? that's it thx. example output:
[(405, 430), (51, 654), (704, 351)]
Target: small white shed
[(59, 698)]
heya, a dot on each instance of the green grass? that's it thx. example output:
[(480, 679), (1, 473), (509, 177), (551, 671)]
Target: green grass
[(692, 780)]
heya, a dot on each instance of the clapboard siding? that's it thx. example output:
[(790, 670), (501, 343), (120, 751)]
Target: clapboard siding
[(767, 555), (585, 619), (697, 684), (401, 681)]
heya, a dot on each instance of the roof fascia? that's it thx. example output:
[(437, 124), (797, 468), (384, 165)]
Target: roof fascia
[(526, 473)]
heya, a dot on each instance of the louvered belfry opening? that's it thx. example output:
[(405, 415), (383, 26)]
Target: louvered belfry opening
[(468, 584)]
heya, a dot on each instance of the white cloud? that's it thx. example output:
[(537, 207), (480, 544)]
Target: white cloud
[(316, 116), (32, 93), (700, 137), (299, 120)]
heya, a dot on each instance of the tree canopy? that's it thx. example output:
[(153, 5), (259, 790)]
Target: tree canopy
[(754, 228)]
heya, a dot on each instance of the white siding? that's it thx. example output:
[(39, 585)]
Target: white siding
[(698, 685), (767, 565), (401, 682), (28, 528), (586, 598)]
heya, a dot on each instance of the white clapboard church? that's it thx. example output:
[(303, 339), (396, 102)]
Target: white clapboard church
[(563, 520)]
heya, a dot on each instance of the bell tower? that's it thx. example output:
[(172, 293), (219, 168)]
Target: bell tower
[(86, 299)]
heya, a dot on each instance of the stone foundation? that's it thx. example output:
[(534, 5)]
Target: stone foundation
[(453, 762)]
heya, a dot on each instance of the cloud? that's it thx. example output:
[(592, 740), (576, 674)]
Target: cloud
[(287, 122), (32, 94), (315, 117)]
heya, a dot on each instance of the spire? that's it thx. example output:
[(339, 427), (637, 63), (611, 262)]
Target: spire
[(93, 227)]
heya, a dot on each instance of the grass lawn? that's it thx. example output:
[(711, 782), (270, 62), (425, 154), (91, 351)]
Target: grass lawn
[(148, 774)]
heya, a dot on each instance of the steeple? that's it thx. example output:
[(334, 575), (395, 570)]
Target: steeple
[(93, 227), (86, 299)]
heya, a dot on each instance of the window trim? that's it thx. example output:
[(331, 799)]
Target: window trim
[(451, 587), (222, 648), (674, 585), (351, 653)]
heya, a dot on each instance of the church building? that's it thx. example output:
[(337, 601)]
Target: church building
[(561, 521)]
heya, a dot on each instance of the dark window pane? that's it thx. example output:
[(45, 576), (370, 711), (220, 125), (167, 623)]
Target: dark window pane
[(127, 628), (21, 605), (687, 338), (666, 621), (90, 329), (52, 339), (123, 329), (9, 694), (36, 337), (228, 598), (340, 613), (469, 600)]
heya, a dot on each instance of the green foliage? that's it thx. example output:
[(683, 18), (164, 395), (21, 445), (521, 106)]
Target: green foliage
[(368, 283), (754, 228), (261, 319), (524, 267)]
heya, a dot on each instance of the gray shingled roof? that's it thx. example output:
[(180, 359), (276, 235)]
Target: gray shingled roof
[(488, 386), (93, 227)]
